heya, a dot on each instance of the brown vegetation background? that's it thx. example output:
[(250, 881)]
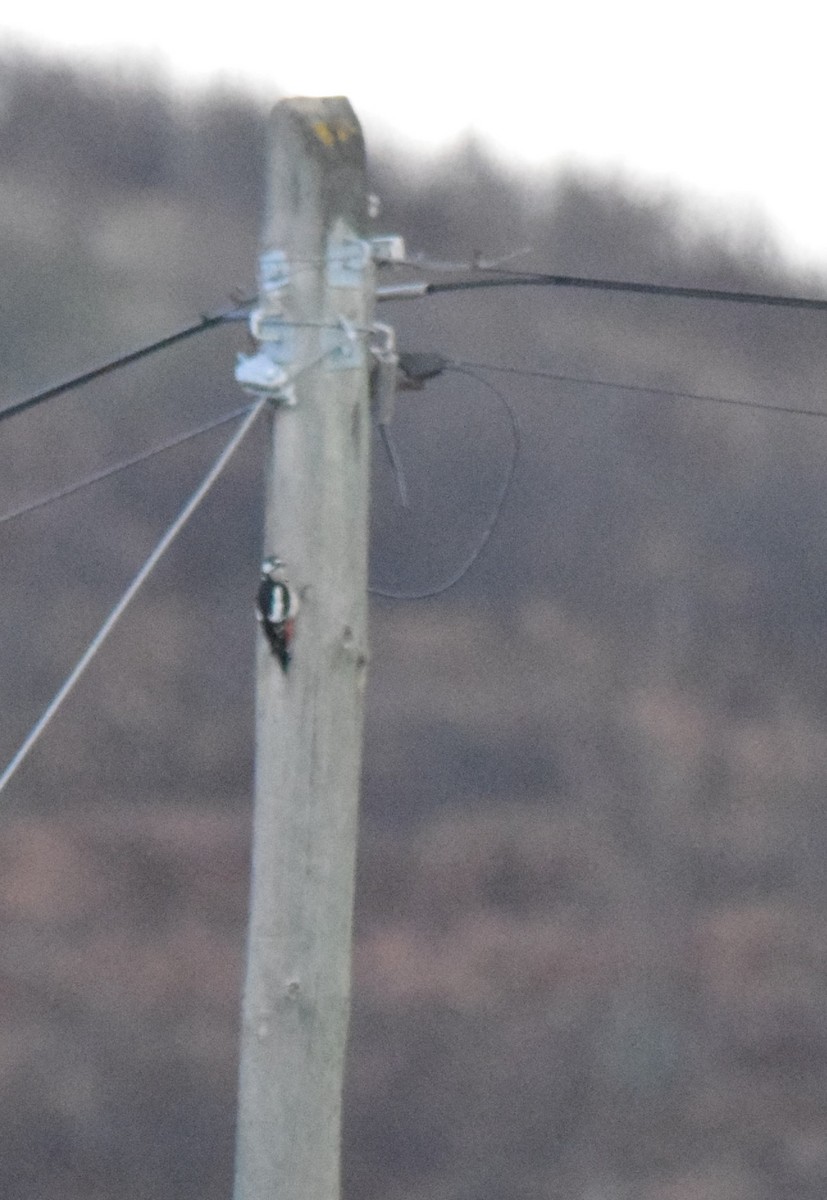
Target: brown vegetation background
[(591, 951)]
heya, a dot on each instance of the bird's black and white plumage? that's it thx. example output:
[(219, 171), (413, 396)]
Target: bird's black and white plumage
[(276, 608)]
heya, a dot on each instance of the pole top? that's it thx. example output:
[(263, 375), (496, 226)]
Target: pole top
[(317, 160)]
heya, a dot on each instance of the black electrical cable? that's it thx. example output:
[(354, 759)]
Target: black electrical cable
[(502, 279), (206, 322), (494, 277), (482, 541)]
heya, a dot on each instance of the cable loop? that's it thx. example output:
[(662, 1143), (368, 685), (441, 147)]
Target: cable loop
[(491, 525)]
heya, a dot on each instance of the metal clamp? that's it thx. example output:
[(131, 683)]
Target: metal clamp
[(264, 373), (259, 375), (271, 329), (267, 322), (347, 259), (343, 347), (384, 376), (387, 248), (273, 277)]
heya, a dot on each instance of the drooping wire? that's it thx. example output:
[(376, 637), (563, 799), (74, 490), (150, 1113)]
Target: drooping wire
[(397, 470), (113, 364), (106, 472), (493, 277), (99, 638), (666, 393), (498, 278), (484, 538), (437, 364)]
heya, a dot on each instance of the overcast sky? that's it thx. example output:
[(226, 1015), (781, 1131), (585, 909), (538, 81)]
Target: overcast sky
[(719, 98)]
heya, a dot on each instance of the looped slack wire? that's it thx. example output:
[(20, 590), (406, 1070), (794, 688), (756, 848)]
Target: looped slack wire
[(505, 487)]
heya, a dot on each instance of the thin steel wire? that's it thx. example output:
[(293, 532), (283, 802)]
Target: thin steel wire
[(494, 277), (171, 533), (106, 472), (107, 626), (644, 389)]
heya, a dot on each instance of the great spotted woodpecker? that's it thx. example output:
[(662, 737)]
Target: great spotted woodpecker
[(276, 608)]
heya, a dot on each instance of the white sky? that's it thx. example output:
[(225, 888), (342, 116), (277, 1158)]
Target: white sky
[(720, 98)]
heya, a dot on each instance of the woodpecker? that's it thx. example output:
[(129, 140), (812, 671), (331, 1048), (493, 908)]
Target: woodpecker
[(276, 608)]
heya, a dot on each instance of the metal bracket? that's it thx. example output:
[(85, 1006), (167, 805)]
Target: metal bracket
[(264, 373), (346, 262), (387, 248), (343, 347), (384, 378), (259, 375), (266, 321), (272, 331), (348, 258), (383, 396), (273, 277)]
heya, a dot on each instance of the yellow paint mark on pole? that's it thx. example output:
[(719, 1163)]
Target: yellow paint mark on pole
[(339, 131), (324, 133)]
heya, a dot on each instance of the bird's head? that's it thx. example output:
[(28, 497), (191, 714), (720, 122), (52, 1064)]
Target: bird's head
[(273, 568)]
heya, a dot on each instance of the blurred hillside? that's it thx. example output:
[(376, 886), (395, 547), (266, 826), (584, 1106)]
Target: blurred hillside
[(591, 958)]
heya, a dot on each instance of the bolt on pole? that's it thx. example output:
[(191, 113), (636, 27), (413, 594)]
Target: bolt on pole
[(317, 288)]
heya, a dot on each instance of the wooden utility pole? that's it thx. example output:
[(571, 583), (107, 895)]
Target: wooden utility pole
[(316, 296)]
